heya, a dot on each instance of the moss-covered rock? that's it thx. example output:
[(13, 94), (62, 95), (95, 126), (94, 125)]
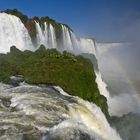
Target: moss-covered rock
[(73, 73), (93, 59)]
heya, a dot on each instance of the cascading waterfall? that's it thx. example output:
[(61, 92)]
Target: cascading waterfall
[(13, 32), (92, 117), (101, 85), (87, 46), (69, 40), (46, 37), (54, 113), (72, 43), (41, 38), (52, 36)]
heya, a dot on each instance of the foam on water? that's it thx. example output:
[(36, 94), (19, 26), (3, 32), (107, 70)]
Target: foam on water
[(46, 110)]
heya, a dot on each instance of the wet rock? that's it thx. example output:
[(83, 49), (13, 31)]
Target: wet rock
[(16, 80)]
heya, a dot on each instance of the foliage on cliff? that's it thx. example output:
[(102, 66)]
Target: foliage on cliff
[(93, 59), (73, 73)]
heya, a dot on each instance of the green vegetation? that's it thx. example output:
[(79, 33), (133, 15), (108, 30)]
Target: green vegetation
[(73, 73), (92, 58)]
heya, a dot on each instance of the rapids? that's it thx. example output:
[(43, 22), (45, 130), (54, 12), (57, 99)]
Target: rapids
[(41, 112)]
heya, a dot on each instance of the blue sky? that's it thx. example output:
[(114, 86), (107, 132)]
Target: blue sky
[(106, 20)]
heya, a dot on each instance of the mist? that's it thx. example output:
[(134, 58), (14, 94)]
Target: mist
[(120, 68)]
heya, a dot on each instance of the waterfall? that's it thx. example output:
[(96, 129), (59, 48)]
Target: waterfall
[(87, 46), (69, 40), (46, 37), (13, 32), (40, 35), (77, 46), (52, 37), (101, 85), (51, 112), (67, 43), (93, 118)]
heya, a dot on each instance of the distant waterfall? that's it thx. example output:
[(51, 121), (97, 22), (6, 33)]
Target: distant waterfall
[(81, 45), (40, 36), (46, 37), (87, 46), (52, 36), (101, 85), (13, 32), (69, 41)]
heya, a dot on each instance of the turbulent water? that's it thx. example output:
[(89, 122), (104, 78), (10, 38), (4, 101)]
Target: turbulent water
[(48, 113), (13, 32)]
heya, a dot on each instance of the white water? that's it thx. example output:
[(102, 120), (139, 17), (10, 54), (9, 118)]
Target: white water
[(13, 32), (92, 117), (87, 46), (63, 112), (40, 35), (101, 85), (52, 37), (61, 91), (46, 37), (69, 40)]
